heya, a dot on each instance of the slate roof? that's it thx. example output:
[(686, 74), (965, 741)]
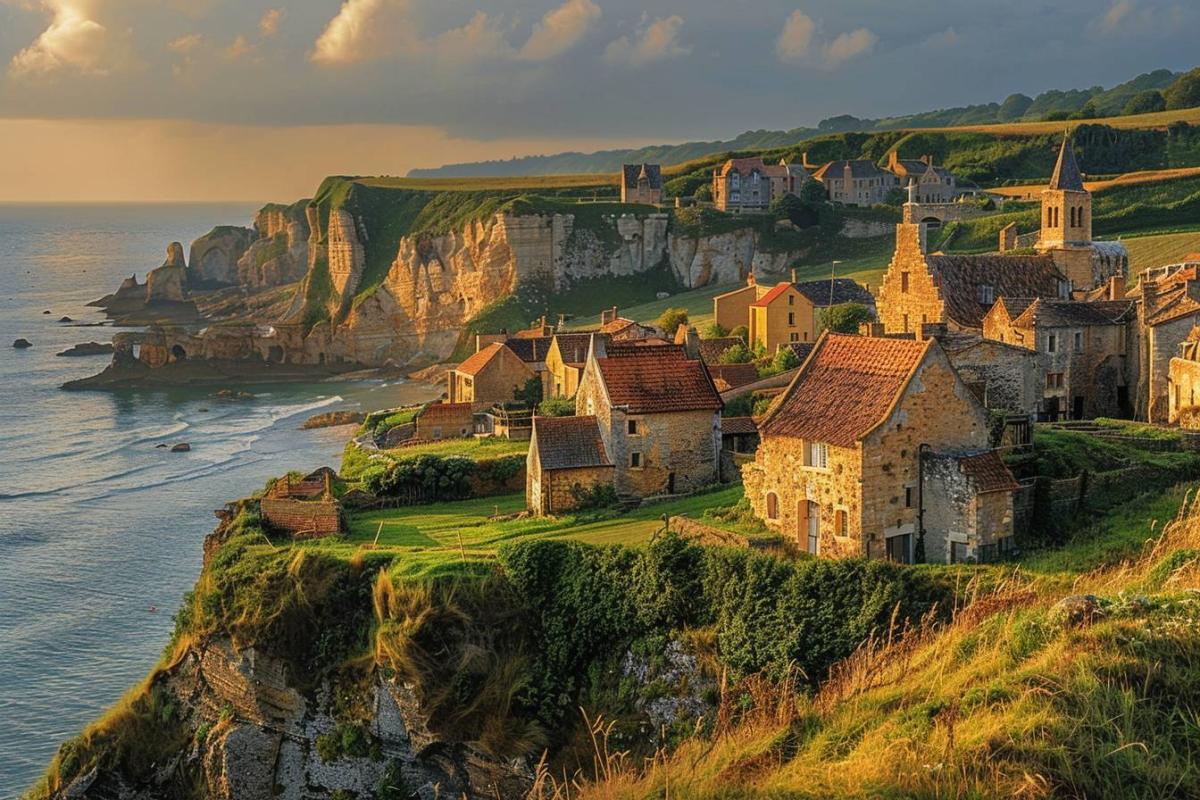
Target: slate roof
[(658, 379), (1171, 305), (988, 472), (738, 426), (961, 276), (481, 358), (859, 168), (743, 166), (530, 348), (573, 347), (801, 349), (731, 376), (1073, 313), (569, 443), (846, 388), (633, 172), (711, 349), (1066, 171), (844, 290)]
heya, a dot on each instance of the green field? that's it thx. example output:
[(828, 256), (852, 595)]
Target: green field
[(1155, 251), (455, 537)]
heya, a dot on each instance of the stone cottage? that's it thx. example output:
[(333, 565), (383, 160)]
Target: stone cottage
[(1002, 376), (641, 183), (840, 466), (1185, 383), (1084, 351), (1168, 311), (658, 414), (445, 421), (491, 375), (566, 460), (931, 184)]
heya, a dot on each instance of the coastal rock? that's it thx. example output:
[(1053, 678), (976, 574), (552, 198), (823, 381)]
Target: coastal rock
[(332, 419), (1077, 609), (280, 253), (65, 319), (88, 349), (214, 256), (167, 283), (182, 447), (175, 256), (21, 344)]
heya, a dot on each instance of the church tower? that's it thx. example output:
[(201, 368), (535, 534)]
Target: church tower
[(1067, 220)]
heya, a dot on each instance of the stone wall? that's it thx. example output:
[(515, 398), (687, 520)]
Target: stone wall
[(302, 518), (905, 304), (1185, 389), (555, 490), (1160, 344), (1011, 377), (956, 513)]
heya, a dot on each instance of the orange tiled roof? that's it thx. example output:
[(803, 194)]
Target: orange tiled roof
[(480, 359), (731, 376), (773, 295), (658, 379), (738, 426), (845, 388)]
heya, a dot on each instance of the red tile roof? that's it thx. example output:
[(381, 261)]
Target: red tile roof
[(658, 379), (732, 375), (845, 389), (480, 358), (569, 443), (989, 473), (738, 426), (773, 295)]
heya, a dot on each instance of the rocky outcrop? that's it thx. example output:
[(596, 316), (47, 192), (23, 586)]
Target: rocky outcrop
[(215, 255), (723, 258), (280, 253), (168, 283)]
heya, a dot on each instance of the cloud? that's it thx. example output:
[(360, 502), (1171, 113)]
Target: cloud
[(797, 42), (657, 41), (241, 49), (480, 38), (185, 44), (560, 30), (848, 45), (74, 41), (357, 32), (268, 25), (795, 39), (1111, 20)]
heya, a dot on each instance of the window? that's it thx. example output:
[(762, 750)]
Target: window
[(635, 460), (633, 427), (987, 294), (905, 318), (1054, 380), (818, 455), (1052, 343), (908, 497), (772, 505), (791, 299), (591, 407), (1064, 290), (839, 522), (904, 282), (1078, 342), (793, 337), (792, 319), (1072, 216)]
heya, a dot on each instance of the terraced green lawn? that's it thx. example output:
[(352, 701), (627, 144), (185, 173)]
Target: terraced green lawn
[(452, 538)]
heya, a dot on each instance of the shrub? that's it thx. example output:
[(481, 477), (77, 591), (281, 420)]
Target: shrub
[(846, 318), (783, 360), (736, 354), (812, 191), (1185, 91), (715, 331), (601, 496), (530, 394), (741, 331), (438, 477), (671, 319), (1146, 102), (557, 407)]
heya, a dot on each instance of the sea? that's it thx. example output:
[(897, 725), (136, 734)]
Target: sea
[(100, 528)]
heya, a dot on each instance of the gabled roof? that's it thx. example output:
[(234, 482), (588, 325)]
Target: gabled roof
[(481, 358), (835, 292), (773, 295), (1073, 313), (650, 380), (846, 388), (711, 349), (1173, 304), (859, 168), (617, 325), (731, 376), (960, 278), (743, 166), (569, 443), (731, 426), (988, 472), (1066, 171), (632, 173), (573, 347), (530, 349)]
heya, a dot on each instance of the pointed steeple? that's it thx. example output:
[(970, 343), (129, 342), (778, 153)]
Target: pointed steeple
[(1066, 175)]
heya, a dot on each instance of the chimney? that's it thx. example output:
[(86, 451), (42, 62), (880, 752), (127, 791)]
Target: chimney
[(874, 329), (927, 160), (608, 315), (933, 330), (750, 280), (793, 274), (691, 343), (1115, 289), (562, 321)]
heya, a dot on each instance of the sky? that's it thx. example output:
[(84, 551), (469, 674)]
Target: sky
[(172, 100)]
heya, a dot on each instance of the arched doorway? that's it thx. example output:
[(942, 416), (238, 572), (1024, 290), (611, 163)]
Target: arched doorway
[(178, 353)]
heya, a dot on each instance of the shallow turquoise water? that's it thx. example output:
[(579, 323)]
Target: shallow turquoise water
[(100, 530)]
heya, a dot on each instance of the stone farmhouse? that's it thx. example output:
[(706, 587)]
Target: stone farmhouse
[(490, 375), (1002, 376), (1084, 352), (749, 185), (1185, 381), (567, 458), (794, 312), (856, 182), (1169, 308), (622, 329), (564, 364), (641, 183), (877, 448), (445, 421), (657, 414)]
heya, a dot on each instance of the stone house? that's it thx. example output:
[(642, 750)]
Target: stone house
[(658, 414), (445, 421), (305, 508), (491, 375), (931, 184), (1168, 310), (1184, 374), (794, 312), (1004, 377), (732, 309), (1084, 352), (566, 459), (857, 182), (921, 288), (621, 329), (565, 361), (748, 184), (641, 183), (840, 466)]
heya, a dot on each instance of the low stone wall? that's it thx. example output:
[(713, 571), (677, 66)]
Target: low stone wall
[(302, 518)]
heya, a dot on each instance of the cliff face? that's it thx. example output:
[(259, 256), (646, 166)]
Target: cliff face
[(280, 253)]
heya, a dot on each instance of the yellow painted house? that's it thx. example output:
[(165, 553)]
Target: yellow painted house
[(794, 312)]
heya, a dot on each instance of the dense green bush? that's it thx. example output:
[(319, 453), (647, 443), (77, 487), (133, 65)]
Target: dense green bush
[(557, 407), (1146, 102), (846, 318), (670, 320), (437, 477), (1185, 91)]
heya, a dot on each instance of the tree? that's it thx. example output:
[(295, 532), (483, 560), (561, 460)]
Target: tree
[(1014, 107), (736, 354), (530, 394), (812, 191), (1056, 116), (715, 331), (1089, 111), (557, 407), (671, 319), (1185, 91), (703, 192), (784, 359), (847, 318), (1146, 102)]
